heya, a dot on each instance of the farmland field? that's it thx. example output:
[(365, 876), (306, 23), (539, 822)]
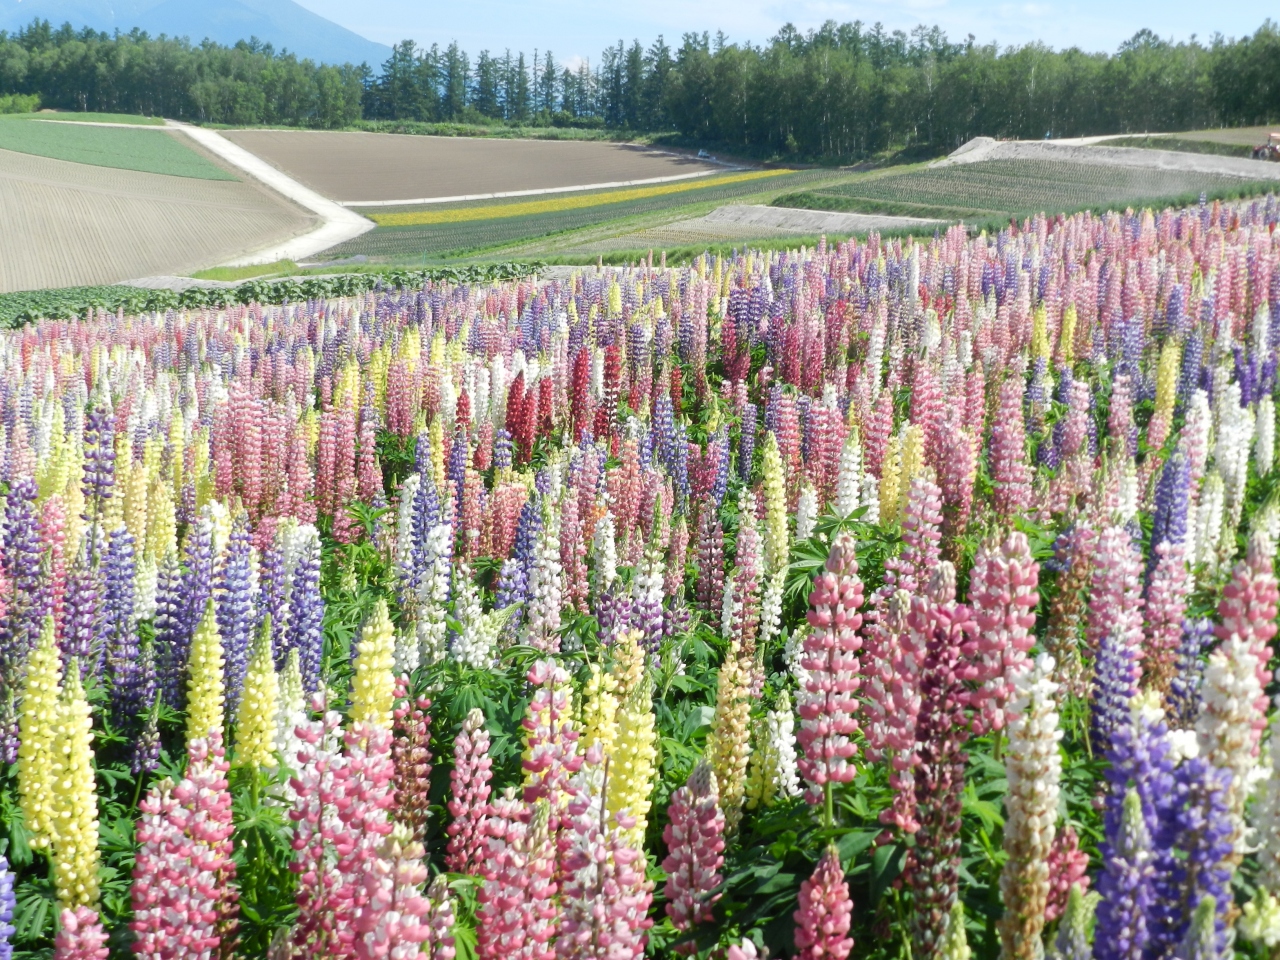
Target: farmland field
[(466, 227), (1000, 188), (89, 117), (380, 167), (74, 223), (148, 151)]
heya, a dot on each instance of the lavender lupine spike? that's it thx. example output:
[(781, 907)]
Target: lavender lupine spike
[(1126, 886), (27, 604), (235, 609), (1183, 699), (197, 578), (273, 598), (513, 582)]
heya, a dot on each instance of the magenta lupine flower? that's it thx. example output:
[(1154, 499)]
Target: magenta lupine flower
[(1166, 605), (604, 897), (517, 912), (957, 470), (1009, 469), (469, 794), (182, 878), (825, 912), (695, 844), (411, 753), (827, 704), (1068, 867), (81, 936), (1003, 593)]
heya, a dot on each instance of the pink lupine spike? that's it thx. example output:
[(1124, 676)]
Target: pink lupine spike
[(81, 936), (469, 795), (825, 912), (695, 844)]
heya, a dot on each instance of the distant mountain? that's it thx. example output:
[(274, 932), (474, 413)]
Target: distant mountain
[(282, 23)]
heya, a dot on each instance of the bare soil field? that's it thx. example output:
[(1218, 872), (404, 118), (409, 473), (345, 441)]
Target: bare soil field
[(357, 168), (69, 224)]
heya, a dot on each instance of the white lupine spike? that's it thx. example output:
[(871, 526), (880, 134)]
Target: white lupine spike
[(1209, 520), (1264, 444), (433, 594), (849, 479), (605, 549), (546, 586), (771, 606), (806, 511)]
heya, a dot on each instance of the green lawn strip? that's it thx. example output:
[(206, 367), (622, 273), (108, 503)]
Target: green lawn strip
[(147, 151), (71, 117), (840, 203)]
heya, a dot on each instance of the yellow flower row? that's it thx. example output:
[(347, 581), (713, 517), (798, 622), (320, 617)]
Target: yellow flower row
[(503, 210)]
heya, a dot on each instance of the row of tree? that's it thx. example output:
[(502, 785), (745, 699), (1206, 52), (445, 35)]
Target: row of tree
[(841, 92)]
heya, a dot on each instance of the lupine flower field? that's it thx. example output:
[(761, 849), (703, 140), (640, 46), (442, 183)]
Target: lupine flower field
[(888, 599)]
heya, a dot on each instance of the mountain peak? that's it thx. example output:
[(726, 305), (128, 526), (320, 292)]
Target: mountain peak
[(284, 24)]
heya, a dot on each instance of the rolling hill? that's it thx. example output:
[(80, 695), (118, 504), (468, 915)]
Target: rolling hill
[(282, 23)]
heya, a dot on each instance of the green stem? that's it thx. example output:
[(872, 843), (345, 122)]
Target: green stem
[(829, 812)]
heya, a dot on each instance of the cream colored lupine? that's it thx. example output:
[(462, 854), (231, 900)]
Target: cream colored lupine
[(955, 944), (890, 481), (1209, 521), (75, 827), (633, 759), (1033, 765), (259, 705), (206, 690), (774, 482), (373, 690), (38, 723), (771, 607), (291, 710), (729, 744), (771, 773)]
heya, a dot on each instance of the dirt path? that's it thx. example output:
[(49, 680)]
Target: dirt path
[(338, 223), (1089, 150)]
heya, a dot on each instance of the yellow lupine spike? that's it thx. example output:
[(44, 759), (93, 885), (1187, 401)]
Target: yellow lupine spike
[(729, 745), (1167, 378), (256, 718), (75, 830), (891, 480), (599, 711), (206, 691), (373, 690), (632, 762), (37, 726), (1040, 333), (1067, 339), (776, 533)]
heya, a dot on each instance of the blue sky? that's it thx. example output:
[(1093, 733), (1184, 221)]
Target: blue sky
[(582, 28)]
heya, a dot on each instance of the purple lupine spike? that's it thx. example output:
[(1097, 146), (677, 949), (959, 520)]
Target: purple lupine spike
[(422, 454), (747, 441), (1172, 503), (82, 615), (197, 578), (99, 461), (8, 904), (27, 604), (502, 449), (130, 680), (1184, 689), (235, 608), (457, 469), (273, 598), (306, 607), (171, 641), (1194, 847), (513, 580)]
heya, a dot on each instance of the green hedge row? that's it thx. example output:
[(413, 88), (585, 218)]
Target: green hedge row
[(20, 308)]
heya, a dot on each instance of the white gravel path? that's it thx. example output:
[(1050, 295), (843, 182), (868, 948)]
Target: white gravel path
[(339, 224), (1085, 150)]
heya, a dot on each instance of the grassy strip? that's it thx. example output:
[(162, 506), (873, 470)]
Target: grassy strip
[(90, 117), (231, 274), (839, 203), (563, 202), (1181, 145), (147, 151), (70, 302)]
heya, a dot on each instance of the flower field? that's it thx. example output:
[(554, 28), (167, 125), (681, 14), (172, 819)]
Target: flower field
[(886, 599)]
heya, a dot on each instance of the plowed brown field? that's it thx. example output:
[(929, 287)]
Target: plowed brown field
[(375, 167), (66, 224)]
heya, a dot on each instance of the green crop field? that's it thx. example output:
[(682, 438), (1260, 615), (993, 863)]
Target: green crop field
[(1001, 188), (147, 151), (437, 240), (128, 118)]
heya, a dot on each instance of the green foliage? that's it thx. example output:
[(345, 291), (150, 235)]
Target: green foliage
[(26, 307), (19, 103), (149, 151)]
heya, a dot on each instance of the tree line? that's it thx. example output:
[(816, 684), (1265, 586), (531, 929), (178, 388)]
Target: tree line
[(840, 92)]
